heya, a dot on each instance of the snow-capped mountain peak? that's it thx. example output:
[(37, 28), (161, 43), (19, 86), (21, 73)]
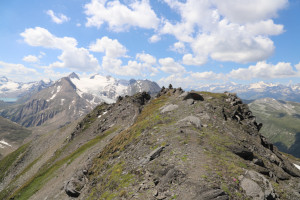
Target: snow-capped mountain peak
[(73, 75), (261, 85), (109, 88)]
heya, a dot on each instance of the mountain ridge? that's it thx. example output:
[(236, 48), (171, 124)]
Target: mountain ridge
[(179, 145)]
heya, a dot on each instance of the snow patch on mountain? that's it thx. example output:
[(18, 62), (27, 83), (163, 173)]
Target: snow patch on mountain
[(4, 144), (105, 87)]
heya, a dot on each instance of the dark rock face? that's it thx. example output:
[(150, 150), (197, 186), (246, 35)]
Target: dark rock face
[(29, 114), (241, 113), (242, 152), (194, 96)]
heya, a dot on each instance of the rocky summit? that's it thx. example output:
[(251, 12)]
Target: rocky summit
[(178, 145)]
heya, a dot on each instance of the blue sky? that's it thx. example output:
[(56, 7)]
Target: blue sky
[(183, 42)]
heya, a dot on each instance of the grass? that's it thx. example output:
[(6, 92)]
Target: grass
[(91, 117), (114, 182), (7, 161), (148, 118), (48, 170), (213, 95)]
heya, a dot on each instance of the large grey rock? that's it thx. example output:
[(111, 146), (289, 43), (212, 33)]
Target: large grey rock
[(193, 120), (168, 108), (257, 186), (73, 187), (252, 189), (152, 155)]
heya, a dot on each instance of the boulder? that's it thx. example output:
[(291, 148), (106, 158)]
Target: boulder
[(73, 187), (193, 120), (168, 108), (194, 96), (152, 155), (257, 186)]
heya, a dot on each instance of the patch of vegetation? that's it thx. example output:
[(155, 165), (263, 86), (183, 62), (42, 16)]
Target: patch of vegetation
[(227, 166), (91, 117), (47, 171), (213, 95), (27, 168), (148, 119), (114, 181), (184, 158), (8, 160)]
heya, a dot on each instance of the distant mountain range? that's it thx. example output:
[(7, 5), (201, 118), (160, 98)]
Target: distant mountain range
[(16, 90), (257, 90), (68, 98), (108, 88)]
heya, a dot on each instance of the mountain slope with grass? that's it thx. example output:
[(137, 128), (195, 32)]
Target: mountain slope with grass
[(11, 136), (179, 145), (281, 121)]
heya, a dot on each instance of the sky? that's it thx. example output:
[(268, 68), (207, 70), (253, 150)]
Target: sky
[(184, 42)]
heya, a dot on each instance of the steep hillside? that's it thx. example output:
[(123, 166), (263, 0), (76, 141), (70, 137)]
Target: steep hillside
[(180, 145), (281, 121), (11, 136)]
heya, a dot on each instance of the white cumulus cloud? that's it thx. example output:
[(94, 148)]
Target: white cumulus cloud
[(119, 16), (264, 70), (246, 11), (17, 71), (111, 48), (113, 52), (72, 57), (57, 18), (237, 31), (31, 59), (168, 65), (188, 59)]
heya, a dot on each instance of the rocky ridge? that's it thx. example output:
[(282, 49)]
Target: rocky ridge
[(179, 145)]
